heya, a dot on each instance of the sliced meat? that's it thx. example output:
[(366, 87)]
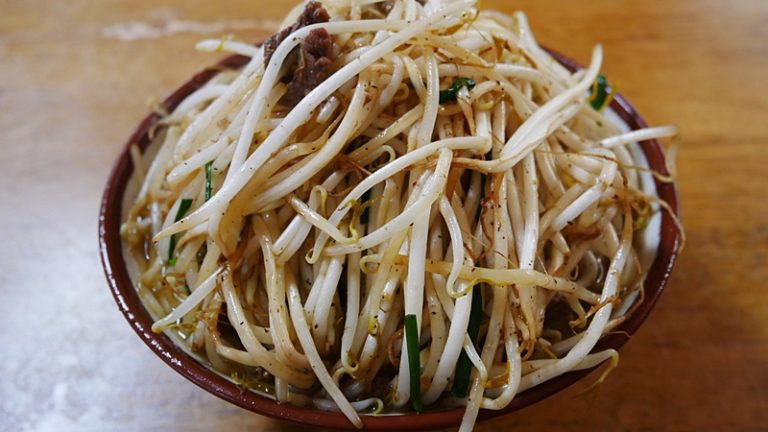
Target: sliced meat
[(313, 13), (309, 64), (312, 67)]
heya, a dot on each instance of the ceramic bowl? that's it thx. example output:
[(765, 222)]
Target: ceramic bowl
[(665, 239)]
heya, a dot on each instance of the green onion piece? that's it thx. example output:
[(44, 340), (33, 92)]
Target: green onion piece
[(599, 93), (464, 365), (450, 94), (185, 204), (414, 366), (208, 180)]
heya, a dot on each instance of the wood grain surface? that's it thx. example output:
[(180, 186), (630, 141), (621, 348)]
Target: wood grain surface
[(76, 77)]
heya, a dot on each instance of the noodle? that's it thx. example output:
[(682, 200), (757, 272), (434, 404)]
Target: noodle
[(447, 170)]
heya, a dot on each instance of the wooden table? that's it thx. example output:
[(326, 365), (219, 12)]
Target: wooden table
[(75, 78)]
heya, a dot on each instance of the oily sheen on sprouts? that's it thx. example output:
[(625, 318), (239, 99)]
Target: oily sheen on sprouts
[(392, 206)]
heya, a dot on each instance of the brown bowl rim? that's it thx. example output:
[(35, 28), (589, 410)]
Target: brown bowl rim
[(139, 319)]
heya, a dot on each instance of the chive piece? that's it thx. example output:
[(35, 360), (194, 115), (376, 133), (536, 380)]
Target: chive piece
[(185, 204), (208, 180), (464, 365), (599, 93), (450, 94), (414, 366)]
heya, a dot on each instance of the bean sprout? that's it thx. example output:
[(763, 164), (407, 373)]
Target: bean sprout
[(446, 168)]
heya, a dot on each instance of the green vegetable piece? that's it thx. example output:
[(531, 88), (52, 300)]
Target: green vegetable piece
[(450, 94), (599, 93), (464, 365), (414, 366), (184, 206), (208, 180)]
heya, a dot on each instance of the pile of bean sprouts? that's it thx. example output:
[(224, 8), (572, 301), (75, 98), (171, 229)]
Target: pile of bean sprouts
[(287, 246)]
